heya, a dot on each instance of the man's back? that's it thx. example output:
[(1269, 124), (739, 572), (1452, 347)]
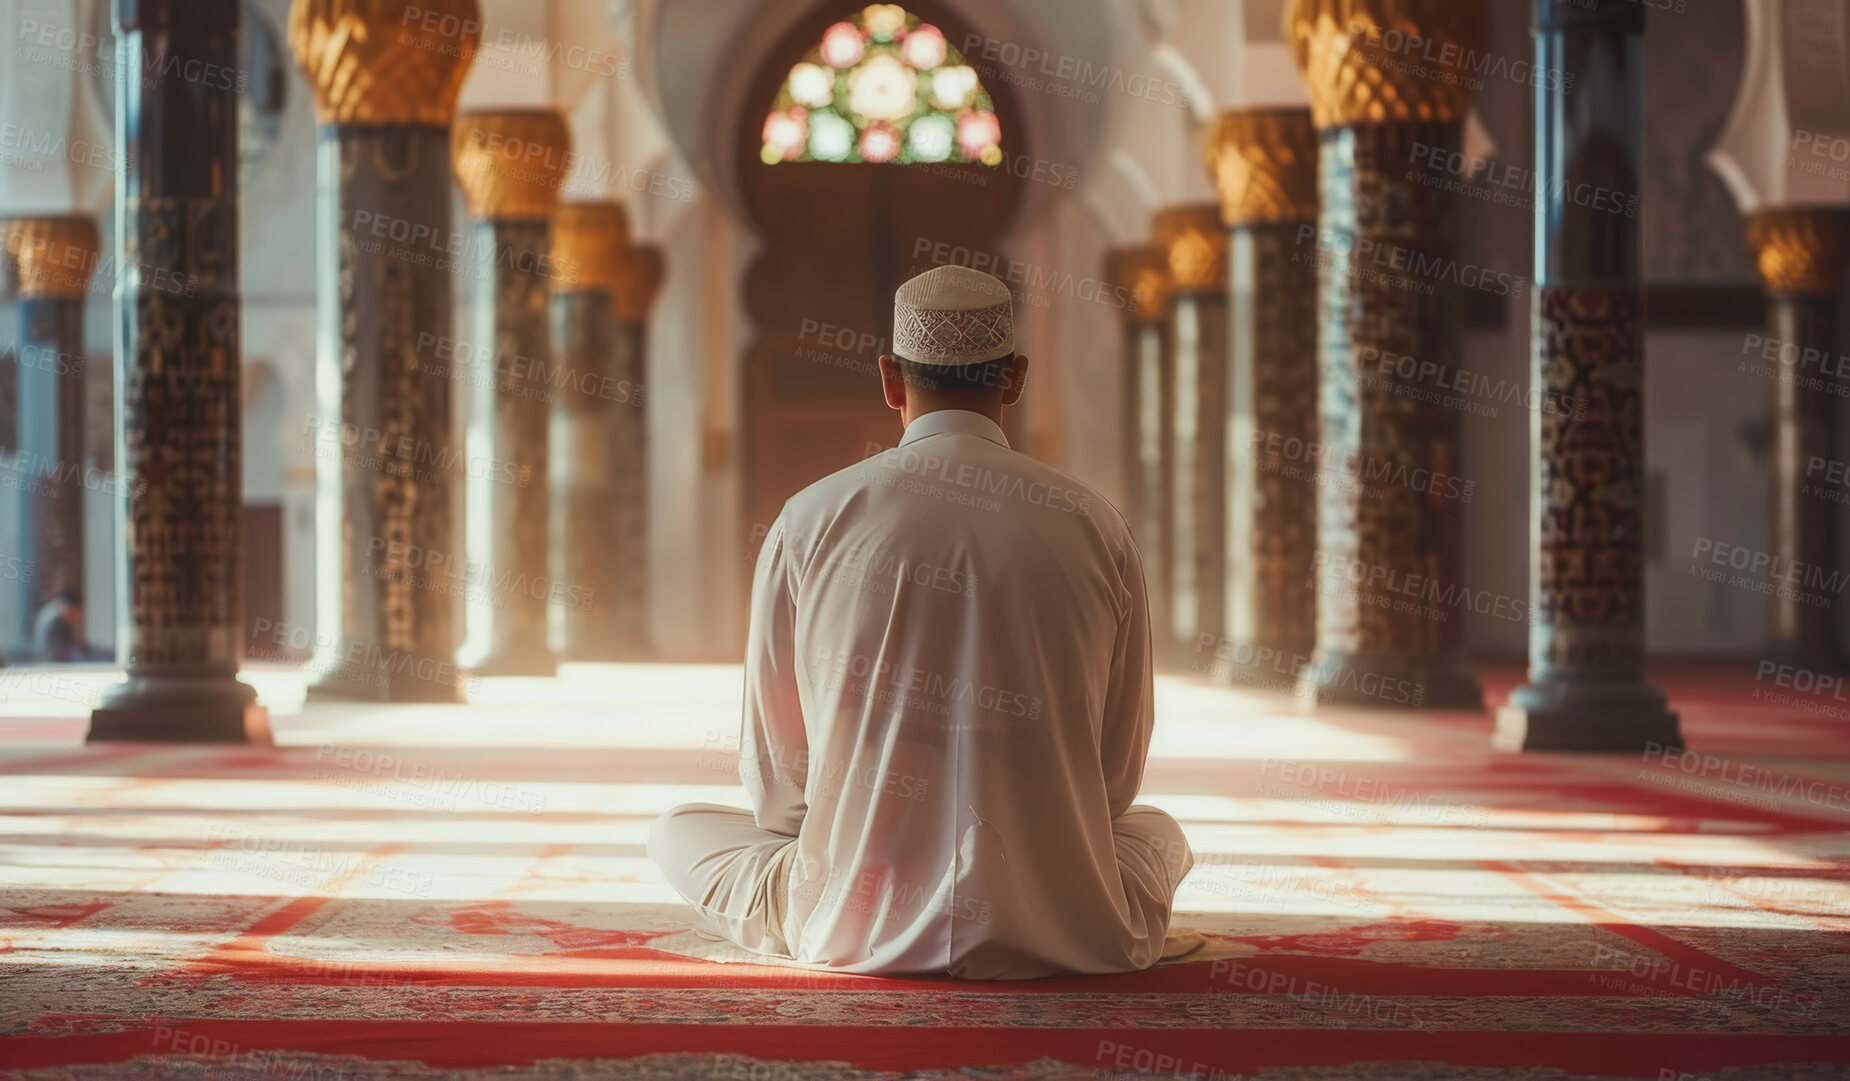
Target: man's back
[(948, 702), (947, 698)]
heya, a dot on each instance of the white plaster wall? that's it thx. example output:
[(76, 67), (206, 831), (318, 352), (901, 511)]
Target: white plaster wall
[(280, 226), (695, 557), (1696, 402)]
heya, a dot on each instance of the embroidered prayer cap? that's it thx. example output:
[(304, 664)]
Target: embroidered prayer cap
[(953, 315)]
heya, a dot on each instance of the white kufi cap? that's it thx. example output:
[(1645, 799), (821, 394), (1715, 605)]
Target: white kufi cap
[(953, 315)]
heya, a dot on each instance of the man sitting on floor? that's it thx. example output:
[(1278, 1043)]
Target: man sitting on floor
[(948, 699)]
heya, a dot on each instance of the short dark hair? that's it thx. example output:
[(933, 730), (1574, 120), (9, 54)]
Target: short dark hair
[(956, 380), (74, 597)]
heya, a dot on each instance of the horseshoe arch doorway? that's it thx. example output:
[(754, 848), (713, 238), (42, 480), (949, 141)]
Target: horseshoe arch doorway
[(837, 239)]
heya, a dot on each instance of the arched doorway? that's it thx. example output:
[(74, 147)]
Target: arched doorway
[(837, 240)]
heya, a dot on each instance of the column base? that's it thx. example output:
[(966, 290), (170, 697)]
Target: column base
[(1586, 714), (1392, 681), (180, 709), (525, 662), (359, 683)]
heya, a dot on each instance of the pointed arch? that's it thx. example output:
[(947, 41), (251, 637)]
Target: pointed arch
[(882, 86)]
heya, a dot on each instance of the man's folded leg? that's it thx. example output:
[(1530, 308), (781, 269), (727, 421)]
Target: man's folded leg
[(1151, 846), (1153, 858), (729, 869)]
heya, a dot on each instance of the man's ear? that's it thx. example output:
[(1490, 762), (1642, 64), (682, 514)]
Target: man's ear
[(1016, 381), (891, 384)]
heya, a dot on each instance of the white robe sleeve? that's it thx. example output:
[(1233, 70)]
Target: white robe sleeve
[(1130, 700), (774, 747)]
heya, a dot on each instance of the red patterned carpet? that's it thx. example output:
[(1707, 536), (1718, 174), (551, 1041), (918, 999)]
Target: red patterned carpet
[(1385, 897)]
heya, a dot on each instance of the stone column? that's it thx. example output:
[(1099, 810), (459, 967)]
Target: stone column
[(1386, 464), (511, 164), (55, 256), (1265, 164), (1196, 244), (1801, 251), (1781, 155), (385, 89), (1586, 688), (1140, 274), (599, 460), (179, 353), (639, 282)]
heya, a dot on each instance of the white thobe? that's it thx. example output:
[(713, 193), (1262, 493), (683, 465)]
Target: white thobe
[(947, 710)]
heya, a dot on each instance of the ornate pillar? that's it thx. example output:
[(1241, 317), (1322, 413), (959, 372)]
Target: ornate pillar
[(179, 351), (599, 464), (1142, 272), (55, 256), (1782, 155), (1265, 164), (511, 164), (1801, 251), (639, 282), (385, 90), (1196, 243), (1586, 688), (1389, 527)]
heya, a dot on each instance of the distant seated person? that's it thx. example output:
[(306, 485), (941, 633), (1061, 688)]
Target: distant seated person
[(948, 699), (58, 631)]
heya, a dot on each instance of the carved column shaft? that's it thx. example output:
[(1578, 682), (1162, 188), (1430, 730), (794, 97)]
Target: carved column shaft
[(600, 469), (1389, 519), (1265, 163), (1142, 273), (1801, 253), (386, 283), (56, 257), (1196, 244), (511, 313), (511, 165), (1386, 464), (638, 284), (384, 305), (586, 467), (1586, 688), (178, 359)]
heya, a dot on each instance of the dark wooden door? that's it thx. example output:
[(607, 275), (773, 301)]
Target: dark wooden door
[(838, 240), (263, 582)]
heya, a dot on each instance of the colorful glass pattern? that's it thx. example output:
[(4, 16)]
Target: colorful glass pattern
[(883, 86)]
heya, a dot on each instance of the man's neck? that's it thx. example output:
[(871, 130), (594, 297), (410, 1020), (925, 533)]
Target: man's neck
[(992, 410)]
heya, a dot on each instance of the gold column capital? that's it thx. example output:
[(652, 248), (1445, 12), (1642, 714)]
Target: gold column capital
[(56, 255), (1265, 163), (511, 163), (1800, 249), (588, 241), (1196, 244), (1375, 61), (379, 62), (1142, 269), (639, 279)]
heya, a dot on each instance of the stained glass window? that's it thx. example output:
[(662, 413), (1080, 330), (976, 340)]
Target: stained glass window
[(883, 86)]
